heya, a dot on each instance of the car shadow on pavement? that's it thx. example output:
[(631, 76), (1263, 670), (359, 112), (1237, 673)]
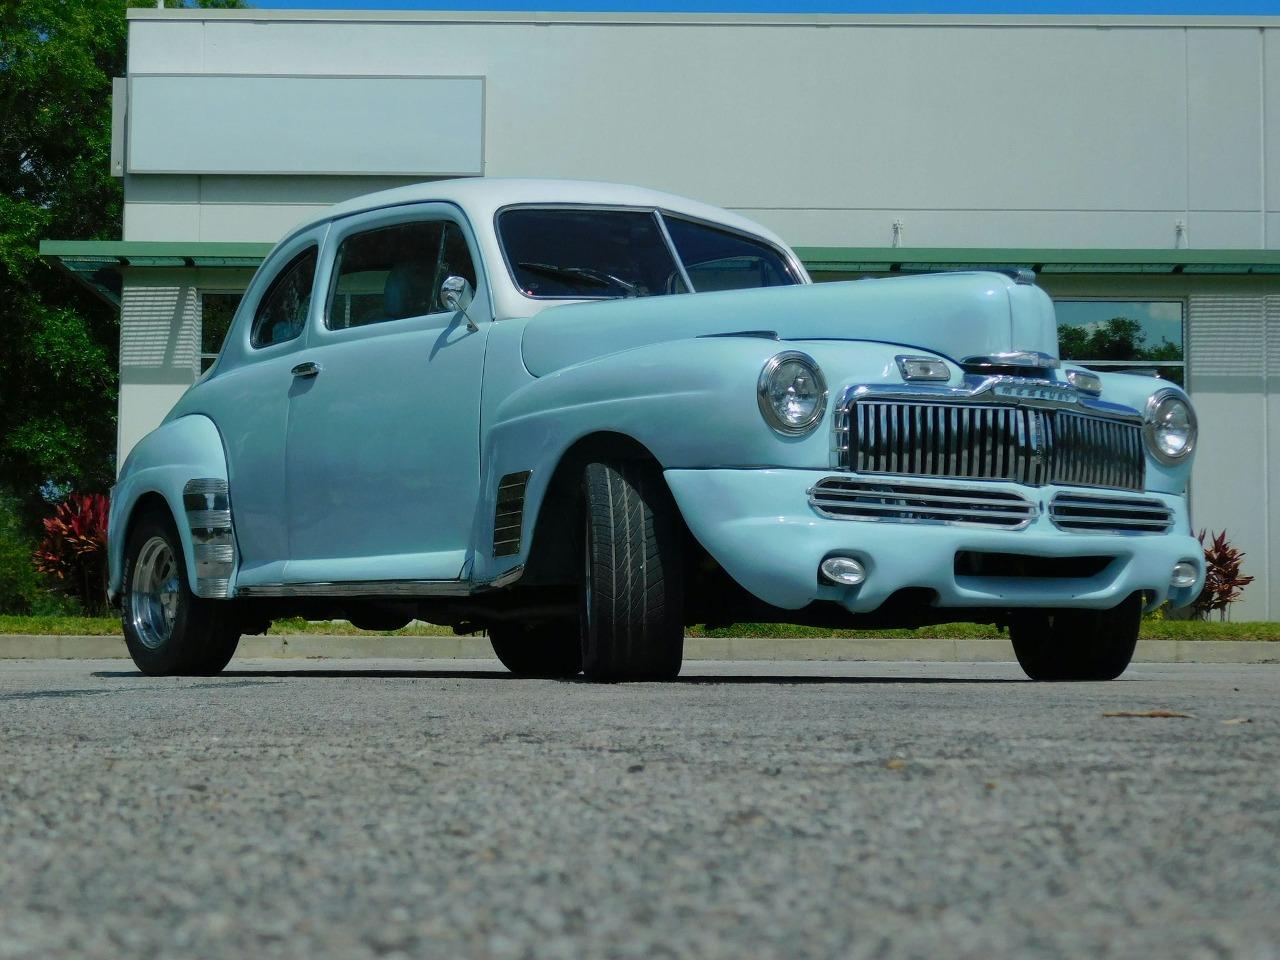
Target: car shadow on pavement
[(810, 678), (330, 674), (779, 679)]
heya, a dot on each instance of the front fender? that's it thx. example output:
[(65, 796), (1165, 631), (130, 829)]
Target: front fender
[(1134, 391), (691, 403), (182, 456)]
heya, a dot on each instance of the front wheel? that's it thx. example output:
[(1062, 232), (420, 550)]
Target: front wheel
[(169, 630), (632, 606), (1076, 644)]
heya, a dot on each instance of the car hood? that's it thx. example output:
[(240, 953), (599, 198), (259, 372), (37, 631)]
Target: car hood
[(957, 315)]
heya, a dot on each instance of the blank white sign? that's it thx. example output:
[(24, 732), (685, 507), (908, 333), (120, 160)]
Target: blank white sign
[(406, 126)]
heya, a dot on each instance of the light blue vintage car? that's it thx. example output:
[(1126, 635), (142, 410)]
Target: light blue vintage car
[(582, 416)]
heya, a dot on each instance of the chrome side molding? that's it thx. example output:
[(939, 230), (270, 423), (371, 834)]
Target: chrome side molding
[(371, 589)]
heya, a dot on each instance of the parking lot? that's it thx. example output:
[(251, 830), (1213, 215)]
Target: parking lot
[(442, 808)]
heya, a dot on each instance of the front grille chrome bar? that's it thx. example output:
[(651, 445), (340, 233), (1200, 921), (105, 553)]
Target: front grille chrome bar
[(845, 498), (967, 440), (1084, 513)]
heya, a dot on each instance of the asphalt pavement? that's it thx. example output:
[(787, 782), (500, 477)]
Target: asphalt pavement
[(752, 810)]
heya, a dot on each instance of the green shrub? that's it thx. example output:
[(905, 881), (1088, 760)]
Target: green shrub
[(19, 583), (73, 553), (1223, 580)]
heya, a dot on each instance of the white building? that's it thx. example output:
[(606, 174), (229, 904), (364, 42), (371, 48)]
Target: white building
[(1133, 162)]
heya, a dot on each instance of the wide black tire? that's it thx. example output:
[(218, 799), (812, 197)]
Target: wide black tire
[(551, 650), (198, 637), (1077, 644), (632, 608)]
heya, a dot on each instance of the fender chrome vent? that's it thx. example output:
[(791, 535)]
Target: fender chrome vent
[(508, 517), (1083, 513), (842, 498), (207, 504)]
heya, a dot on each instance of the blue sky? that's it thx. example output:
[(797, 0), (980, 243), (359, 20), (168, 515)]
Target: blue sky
[(1148, 7)]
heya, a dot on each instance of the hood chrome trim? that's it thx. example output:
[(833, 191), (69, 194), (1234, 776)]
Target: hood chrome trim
[(1014, 358), (1013, 391)]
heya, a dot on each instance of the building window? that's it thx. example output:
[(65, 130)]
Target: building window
[(1124, 336), (216, 311)]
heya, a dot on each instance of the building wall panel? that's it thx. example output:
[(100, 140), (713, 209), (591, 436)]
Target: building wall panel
[(1219, 230), (1029, 118), (159, 343), (1224, 110), (1239, 453), (222, 124)]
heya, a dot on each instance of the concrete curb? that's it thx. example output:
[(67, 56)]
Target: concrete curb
[(301, 646)]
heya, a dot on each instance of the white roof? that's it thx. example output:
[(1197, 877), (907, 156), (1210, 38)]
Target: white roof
[(482, 197)]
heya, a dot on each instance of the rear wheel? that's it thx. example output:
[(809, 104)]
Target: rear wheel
[(1077, 644), (169, 630), (632, 607), (551, 650)]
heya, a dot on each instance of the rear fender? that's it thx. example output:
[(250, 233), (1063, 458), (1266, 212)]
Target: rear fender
[(183, 462)]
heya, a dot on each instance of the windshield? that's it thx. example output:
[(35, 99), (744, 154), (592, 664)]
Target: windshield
[(588, 253), (582, 253), (717, 259)]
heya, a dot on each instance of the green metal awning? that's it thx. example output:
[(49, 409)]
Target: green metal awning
[(97, 263), (856, 260)]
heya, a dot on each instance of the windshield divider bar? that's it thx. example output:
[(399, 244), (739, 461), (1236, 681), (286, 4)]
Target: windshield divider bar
[(675, 254)]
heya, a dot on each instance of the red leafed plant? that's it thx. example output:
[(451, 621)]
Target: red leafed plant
[(1223, 581), (74, 549)]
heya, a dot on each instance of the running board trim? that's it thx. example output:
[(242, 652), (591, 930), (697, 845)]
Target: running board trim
[(382, 588)]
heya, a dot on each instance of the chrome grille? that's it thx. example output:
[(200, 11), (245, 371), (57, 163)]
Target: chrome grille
[(843, 498), (981, 441), (1085, 513)]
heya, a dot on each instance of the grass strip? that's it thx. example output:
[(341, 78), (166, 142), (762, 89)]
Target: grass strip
[(1153, 629)]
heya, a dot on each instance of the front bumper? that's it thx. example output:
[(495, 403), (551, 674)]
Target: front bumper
[(760, 527)]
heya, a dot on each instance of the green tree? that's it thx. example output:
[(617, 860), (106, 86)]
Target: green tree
[(58, 343), (1120, 338)]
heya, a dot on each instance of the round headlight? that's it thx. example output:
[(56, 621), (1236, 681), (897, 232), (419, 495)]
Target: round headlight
[(792, 393), (1170, 427)]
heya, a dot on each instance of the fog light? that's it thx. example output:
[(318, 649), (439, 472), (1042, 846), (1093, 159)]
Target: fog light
[(1184, 575), (843, 570)]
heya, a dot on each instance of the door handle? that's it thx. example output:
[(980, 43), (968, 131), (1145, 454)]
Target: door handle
[(307, 369)]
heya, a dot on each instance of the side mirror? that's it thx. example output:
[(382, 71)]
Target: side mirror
[(456, 295)]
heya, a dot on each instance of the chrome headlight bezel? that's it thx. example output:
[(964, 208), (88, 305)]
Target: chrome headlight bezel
[(1151, 426), (767, 409)]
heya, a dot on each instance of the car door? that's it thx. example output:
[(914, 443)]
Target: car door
[(382, 456), (248, 398)]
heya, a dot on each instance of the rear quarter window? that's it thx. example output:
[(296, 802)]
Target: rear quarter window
[(282, 311)]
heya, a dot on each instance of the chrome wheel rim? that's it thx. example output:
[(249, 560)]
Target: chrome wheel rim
[(154, 593)]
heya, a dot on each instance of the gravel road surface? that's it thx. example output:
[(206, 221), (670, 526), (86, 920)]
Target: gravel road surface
[(752, 810)]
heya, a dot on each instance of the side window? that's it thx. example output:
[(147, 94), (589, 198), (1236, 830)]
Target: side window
[(455, 258), (392, 273), (721, 260), (282, 312)]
